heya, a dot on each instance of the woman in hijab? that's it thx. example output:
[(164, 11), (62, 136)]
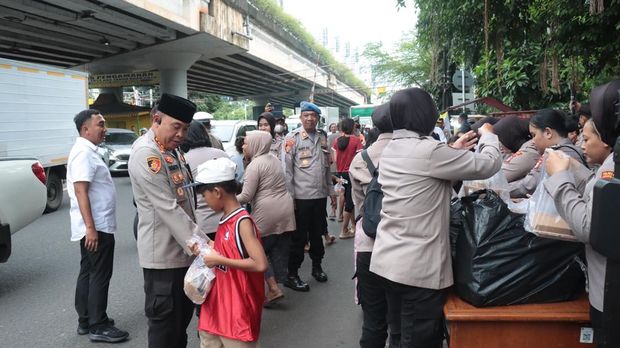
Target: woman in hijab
[(370, 290), (264, 187), (575, 206), (549, 129), (411, 250), (267, 123), (197, 148), (520, 154)]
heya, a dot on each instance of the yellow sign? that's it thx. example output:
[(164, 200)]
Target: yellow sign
[(145, 78), (381, 89)]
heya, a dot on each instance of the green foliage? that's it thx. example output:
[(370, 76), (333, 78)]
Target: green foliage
[(272, 10), (532, 53), (233, 110), (205, 101)]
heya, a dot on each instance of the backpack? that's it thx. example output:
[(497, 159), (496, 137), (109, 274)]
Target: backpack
[(371, 213)]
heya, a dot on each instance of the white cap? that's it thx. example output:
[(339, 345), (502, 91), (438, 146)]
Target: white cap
[(201, 116), (214, 171)]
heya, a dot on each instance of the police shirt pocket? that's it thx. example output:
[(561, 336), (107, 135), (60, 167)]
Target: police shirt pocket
[(159, 303), (304, 157)]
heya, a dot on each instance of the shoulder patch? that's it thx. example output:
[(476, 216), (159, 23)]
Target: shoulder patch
[(154, 164), (607, 175), (288, 145)]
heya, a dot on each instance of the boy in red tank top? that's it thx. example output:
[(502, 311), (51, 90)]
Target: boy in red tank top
[(231, 314)]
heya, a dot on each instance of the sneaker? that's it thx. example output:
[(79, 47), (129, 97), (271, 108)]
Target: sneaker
[(84, 329), (108, 334)]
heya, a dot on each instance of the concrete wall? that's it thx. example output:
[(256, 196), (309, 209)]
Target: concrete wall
[(222, 20)]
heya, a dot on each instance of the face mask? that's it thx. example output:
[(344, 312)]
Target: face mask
[(278, 128)]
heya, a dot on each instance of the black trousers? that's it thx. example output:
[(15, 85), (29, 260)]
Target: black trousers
[(167, 309), (348, 195), (277, 248), (421, 314), (596, 318), (378, 313), (91, 291), (311, 219)]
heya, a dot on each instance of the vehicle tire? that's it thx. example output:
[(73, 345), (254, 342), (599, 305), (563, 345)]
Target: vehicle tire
[(54, 193), (135, 226)]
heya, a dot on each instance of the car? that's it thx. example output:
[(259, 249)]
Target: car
[(228, 130), (116, 148), (23, 198)]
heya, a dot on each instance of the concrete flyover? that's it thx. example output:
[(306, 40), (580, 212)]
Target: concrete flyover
[(225, 47)]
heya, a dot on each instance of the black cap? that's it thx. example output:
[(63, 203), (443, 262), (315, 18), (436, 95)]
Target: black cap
[(177, 107)]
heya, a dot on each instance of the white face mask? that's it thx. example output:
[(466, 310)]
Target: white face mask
[(278, 128)]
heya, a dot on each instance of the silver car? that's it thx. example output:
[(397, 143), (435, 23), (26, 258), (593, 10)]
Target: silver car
[(116, 148)]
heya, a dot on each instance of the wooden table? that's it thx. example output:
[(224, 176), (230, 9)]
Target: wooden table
[(552, 325)]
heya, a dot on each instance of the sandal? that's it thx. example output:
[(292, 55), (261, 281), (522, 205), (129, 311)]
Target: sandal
[(329, 239), (270, 301)]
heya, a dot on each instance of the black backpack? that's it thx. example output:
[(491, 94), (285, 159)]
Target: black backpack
[(372, 201)]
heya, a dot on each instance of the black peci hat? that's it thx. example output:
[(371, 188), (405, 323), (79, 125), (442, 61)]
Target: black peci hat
[(177, 107)]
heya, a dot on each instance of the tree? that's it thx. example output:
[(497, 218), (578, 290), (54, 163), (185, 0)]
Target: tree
[(529, 53), (205, 101), (409, 65)]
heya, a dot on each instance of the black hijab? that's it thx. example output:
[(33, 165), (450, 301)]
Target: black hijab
[(270, 119), (603, 101), (381, 118), (512, 132), (413, 109)]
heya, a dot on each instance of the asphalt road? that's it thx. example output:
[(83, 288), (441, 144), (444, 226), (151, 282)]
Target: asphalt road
[(37, 287)]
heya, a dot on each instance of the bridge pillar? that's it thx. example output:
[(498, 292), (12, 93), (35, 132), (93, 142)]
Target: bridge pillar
[(173, 70)]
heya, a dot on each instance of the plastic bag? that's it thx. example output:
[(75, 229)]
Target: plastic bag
[(199, 278), (497, 183), (497, 262), (543, 219)]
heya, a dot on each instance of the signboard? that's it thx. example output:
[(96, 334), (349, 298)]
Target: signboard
[(145, 78), (457, 80)]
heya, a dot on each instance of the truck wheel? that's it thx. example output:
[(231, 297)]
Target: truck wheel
[(54, 192), (135, 226)]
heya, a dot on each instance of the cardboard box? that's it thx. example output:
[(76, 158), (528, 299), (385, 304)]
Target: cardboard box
[(552, 226)]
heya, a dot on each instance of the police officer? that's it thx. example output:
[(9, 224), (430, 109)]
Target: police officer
[(306, 162), (158, 174)]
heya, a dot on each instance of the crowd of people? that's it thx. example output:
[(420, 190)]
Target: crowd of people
[(265, 209)]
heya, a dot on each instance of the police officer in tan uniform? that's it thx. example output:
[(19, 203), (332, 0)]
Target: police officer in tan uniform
[(158, 174), (306, 163)]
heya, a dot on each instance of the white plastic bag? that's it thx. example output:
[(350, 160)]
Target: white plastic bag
[(542, 218), (199, 278), (499, 184)]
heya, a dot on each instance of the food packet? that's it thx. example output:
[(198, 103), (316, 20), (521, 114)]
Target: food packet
[(199, 278), (542, 218)]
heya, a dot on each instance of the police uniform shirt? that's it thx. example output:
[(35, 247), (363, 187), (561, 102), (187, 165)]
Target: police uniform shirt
[(306, 163), (165, 207), (575, 206), (518, 164)]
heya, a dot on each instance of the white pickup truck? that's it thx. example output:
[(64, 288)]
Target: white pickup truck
[(22, 197)]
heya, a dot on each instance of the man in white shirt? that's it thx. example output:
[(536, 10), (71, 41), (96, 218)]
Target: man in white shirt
[(93, 223)]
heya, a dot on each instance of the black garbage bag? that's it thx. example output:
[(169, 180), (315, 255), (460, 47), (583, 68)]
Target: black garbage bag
[(498, 263), (456, 224)]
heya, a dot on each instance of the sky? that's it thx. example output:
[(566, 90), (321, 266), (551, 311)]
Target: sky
[(357, 21)]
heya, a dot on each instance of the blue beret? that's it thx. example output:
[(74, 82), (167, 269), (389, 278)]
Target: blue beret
[(307, 106)]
